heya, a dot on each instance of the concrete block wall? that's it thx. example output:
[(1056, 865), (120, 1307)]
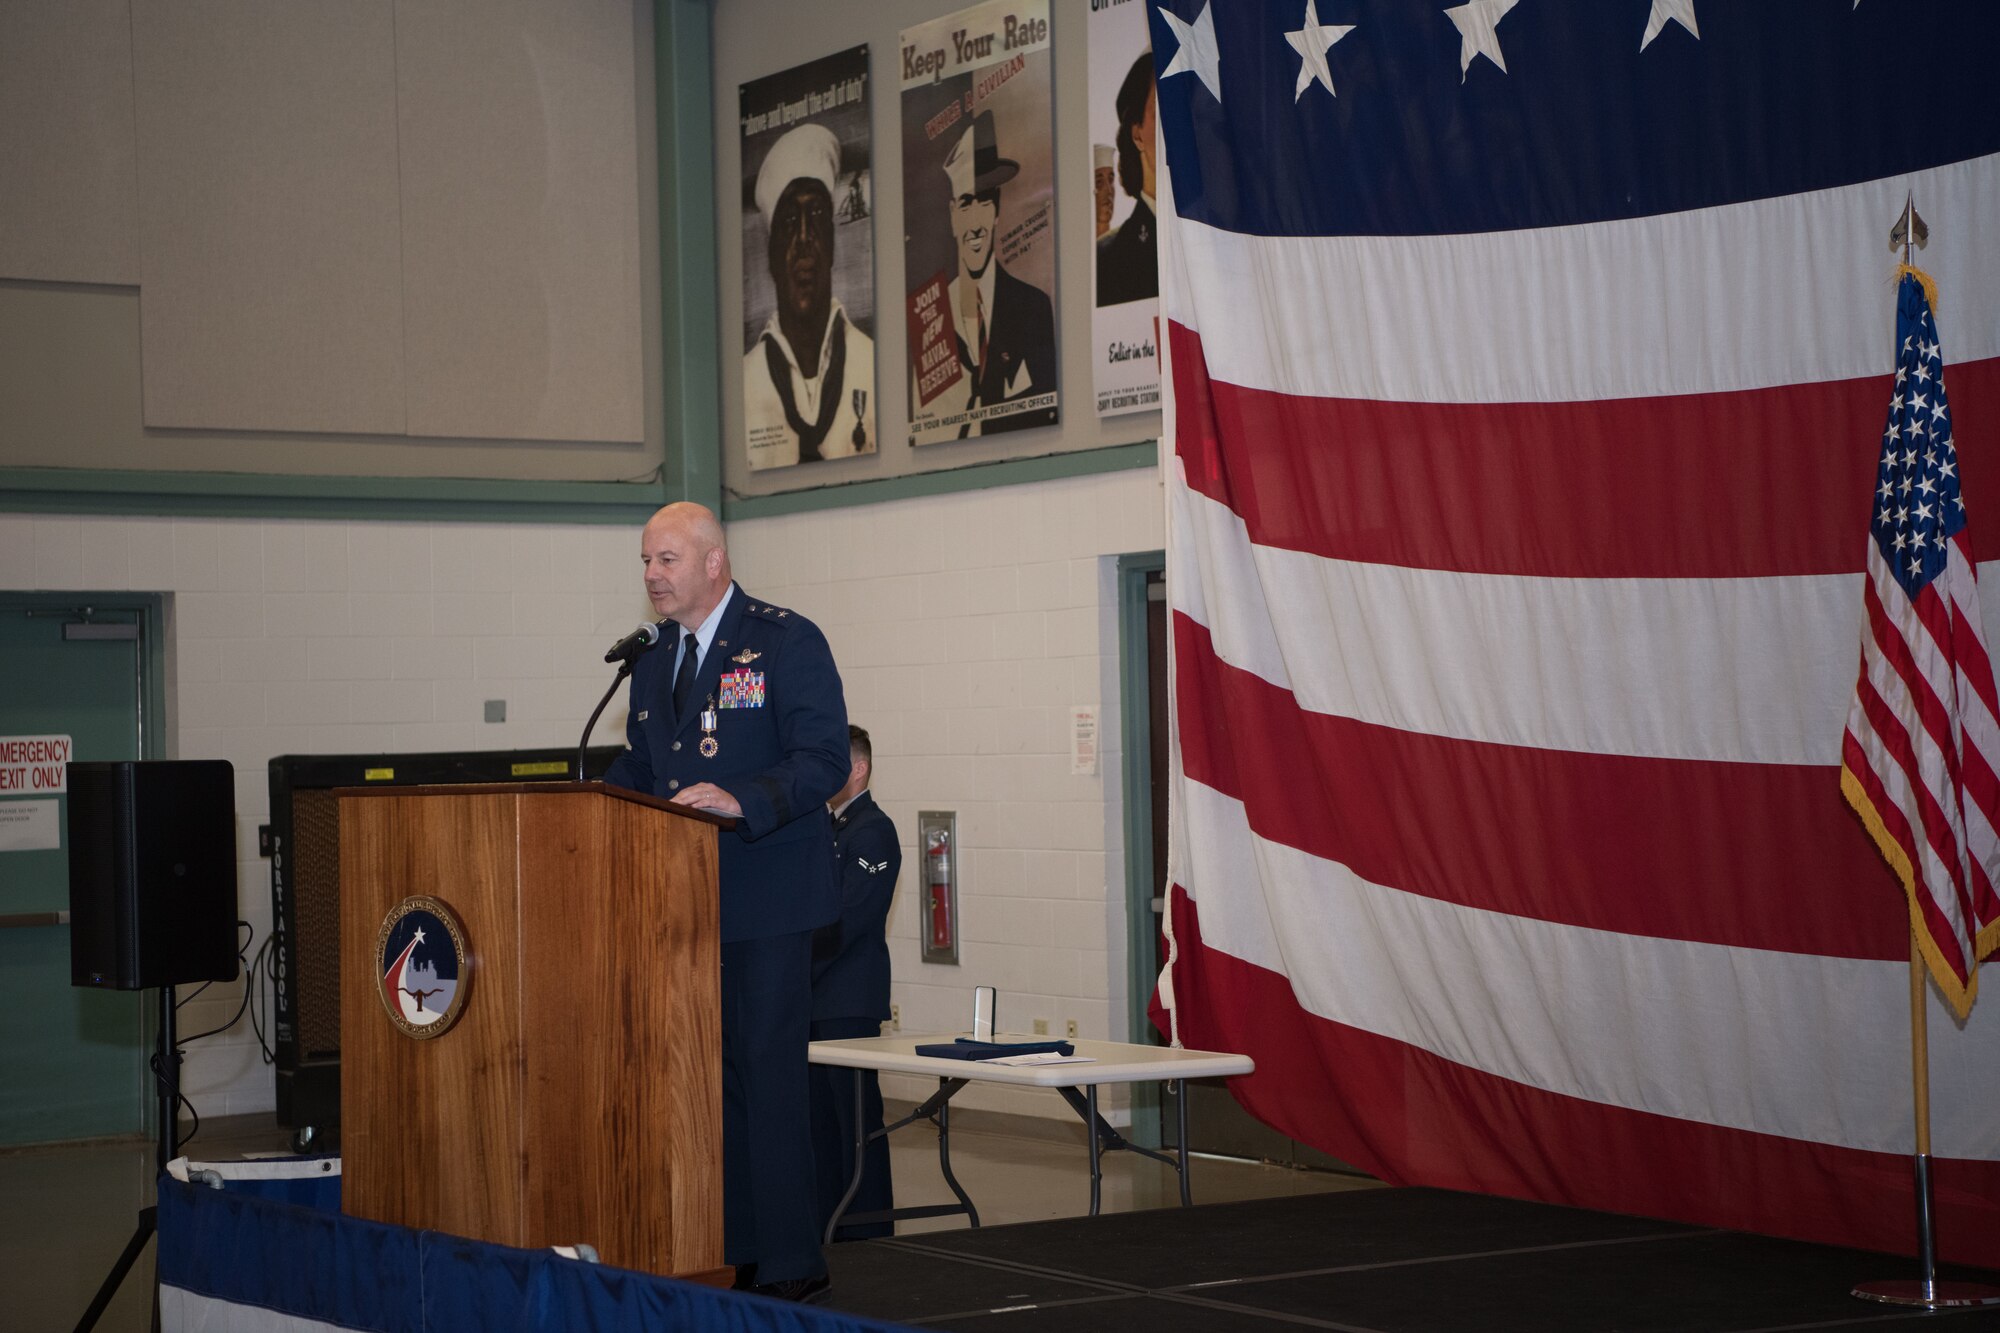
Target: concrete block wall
[(965, 626), (301, 637)]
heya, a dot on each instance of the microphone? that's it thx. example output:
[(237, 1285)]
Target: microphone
[(624, 652), (635, 643)]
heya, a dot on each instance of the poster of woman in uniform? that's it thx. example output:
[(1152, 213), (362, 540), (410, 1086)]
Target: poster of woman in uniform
[(808, 264), (1126, 273), (979, 222)]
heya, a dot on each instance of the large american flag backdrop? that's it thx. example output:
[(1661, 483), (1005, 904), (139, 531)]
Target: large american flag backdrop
[(1529, 364)]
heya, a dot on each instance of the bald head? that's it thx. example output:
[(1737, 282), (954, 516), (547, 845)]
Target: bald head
[(686, 563)]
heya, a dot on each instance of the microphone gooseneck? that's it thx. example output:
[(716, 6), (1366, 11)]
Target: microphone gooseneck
[(624, 652)]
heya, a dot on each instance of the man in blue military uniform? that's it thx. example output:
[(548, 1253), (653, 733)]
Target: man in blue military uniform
[(739, 711), (850, 994)]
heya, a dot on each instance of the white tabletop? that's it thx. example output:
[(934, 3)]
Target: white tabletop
[(1110, 1061)]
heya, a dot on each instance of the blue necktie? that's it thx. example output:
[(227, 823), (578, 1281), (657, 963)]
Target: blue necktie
[(684, 676)]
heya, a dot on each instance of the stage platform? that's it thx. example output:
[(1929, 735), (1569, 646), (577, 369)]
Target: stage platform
[(1398, 1261)]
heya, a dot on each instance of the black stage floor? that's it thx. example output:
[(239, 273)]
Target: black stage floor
[(1397, 1261)]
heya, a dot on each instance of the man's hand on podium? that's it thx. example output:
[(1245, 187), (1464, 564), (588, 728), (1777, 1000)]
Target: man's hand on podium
[(707, 796)]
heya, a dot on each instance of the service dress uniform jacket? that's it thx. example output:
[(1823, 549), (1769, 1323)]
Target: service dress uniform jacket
[(850, 999), (851, 956), (780, 750)]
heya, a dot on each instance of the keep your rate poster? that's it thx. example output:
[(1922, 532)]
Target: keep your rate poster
[(979, 222)]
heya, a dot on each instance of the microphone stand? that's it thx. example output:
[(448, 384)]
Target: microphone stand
[(624, 670)]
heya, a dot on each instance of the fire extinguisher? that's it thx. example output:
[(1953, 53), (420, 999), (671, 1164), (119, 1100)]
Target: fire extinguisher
[(937, 879)]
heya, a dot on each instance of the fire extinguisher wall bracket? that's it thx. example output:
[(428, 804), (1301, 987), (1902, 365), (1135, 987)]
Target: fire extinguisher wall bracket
[(937, 854)]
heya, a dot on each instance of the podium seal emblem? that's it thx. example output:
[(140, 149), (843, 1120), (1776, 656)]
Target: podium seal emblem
[(421, 960)]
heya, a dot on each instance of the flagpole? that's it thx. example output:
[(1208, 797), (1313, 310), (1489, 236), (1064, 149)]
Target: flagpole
[(1926, 1292), (1920, 1085)]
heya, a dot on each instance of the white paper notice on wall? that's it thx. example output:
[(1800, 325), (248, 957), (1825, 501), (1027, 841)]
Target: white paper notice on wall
[(34, 765), (30, 826), (1083, 741)]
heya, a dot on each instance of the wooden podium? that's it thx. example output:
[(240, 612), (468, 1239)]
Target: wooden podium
[(578, 1095)]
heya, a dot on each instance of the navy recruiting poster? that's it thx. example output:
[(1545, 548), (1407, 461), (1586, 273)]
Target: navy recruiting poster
[(979, 222), (808, 264), (1125, 270)]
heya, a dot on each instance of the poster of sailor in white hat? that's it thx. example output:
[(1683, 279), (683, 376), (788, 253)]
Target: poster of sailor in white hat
[(808, 264), (1125, 315), (979, 222)]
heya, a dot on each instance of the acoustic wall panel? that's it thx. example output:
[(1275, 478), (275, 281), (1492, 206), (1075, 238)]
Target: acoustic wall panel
[(270, 292), (520, 219), (67, 179)]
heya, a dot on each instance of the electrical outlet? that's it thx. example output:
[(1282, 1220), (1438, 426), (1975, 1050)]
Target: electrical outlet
[(1041, 1027), (895, 1018), (1071, 1028)]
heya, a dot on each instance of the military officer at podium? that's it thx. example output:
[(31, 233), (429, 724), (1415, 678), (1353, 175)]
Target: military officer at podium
[(738, 710)]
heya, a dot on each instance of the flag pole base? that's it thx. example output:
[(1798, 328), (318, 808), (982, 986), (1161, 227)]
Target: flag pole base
[(1929, 1295)]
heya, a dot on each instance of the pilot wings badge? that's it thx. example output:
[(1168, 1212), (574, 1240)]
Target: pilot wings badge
[(746, 657)]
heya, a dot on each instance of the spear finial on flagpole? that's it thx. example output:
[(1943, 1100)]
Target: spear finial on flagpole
[(1909, 227)]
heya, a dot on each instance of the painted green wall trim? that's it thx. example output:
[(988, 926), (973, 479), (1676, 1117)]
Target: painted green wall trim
[(691, 371), (1135, 783), (979, 476), (261, 495)]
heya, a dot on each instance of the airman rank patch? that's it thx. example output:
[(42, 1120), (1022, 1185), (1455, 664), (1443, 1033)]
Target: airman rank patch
[(740, 689)]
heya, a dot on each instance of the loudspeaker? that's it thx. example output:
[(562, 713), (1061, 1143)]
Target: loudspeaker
[(152, 873)]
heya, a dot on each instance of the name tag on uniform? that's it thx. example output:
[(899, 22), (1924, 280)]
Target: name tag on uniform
[(740, 689)]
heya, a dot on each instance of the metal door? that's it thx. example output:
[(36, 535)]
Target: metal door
[(76, 667), (1217, 1124)]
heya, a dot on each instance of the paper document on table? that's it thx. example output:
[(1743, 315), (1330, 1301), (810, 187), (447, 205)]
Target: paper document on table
[(1038, 1058)]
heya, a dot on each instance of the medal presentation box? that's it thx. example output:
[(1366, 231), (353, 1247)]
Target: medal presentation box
[(532, 1048)]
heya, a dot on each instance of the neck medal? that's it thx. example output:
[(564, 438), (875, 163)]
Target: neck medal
[(708, 745)]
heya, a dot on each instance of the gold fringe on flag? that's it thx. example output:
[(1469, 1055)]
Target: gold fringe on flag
[(1958, 994), (1929, 283)]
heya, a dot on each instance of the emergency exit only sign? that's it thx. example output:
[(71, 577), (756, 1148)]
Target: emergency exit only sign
[(34, 765)]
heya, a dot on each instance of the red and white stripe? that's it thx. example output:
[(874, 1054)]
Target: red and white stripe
[(1915, 760), (1513, 629)]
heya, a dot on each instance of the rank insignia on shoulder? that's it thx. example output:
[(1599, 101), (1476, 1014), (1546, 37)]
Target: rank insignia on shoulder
[(875, 869), (746, 657)]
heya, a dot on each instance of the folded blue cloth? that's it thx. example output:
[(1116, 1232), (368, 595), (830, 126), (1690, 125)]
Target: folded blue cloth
[(965, 1048)]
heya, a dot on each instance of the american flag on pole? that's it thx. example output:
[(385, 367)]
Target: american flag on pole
[(1914, 762), (1527, 363)]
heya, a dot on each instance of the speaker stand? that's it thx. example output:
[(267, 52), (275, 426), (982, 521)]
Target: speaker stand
[(167, 1081)]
